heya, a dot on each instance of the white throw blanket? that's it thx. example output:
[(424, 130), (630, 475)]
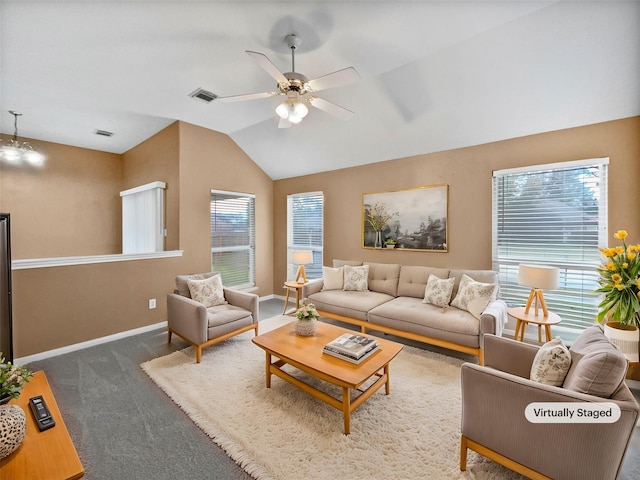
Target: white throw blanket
[(498, 308)]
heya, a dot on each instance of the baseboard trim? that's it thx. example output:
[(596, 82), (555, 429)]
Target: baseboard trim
[(89, 343)]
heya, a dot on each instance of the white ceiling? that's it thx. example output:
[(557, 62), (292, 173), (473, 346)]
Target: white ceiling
[(435, 75)]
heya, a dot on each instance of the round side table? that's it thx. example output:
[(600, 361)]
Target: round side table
[(292, 286), (523, 319)]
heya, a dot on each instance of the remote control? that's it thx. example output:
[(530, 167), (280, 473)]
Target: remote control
[(41, 413)]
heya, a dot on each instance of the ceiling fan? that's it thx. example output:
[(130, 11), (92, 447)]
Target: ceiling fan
[(299, 90)]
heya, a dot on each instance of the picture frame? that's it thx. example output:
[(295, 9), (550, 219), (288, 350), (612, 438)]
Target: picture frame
[(411, 219)]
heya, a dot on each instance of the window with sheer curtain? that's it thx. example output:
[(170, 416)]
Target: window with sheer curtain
[(555, 215), (305, 217), (233, 238)]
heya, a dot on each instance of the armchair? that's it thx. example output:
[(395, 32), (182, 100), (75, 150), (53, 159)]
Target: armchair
[(494, 398), (203, 326)]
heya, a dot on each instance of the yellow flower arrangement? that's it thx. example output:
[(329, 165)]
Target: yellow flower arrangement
[(620, 283)]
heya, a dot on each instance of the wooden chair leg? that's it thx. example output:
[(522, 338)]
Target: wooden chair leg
[(169, 332), (463, 453), (198, 353)]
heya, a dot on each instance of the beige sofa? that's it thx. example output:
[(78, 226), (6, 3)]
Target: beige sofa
[(396, 300)]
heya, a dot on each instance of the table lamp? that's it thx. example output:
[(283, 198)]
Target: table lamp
[(538, 277), (301, 258)]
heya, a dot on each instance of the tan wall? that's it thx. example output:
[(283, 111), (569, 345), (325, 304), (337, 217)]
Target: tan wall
[(60, 306), (468, 172), (157, 159), (69, 207), (211, 160)]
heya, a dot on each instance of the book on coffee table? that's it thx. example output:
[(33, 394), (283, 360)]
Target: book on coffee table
[(351, 359), (351, 345)]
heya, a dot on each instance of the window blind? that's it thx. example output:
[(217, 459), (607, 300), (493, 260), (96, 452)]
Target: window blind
[(552, 215), (305, 223), (233, 237)]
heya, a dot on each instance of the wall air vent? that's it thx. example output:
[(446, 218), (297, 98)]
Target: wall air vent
[(203, 95), (103, 133)]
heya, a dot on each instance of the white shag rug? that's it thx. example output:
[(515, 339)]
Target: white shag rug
[(283, 433)]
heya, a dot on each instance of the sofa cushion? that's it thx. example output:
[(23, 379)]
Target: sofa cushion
[(597, 366), (356, 278), (208, 291), (342, 263), (470, 291), (484, 276), (438, 291), (223, 314), (413, 280), (413, 315), (383, 277), (551, 363), (333, 278), (350, 304)]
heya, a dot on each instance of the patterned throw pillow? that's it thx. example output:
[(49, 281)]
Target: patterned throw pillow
[(332, 278), (438, 291), (208, 292), (470, 290), (356, 278), (551, 363)]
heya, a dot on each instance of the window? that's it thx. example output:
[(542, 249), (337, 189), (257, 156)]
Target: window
[(143, 218), (305, 231), (552, 215), (233, 238)]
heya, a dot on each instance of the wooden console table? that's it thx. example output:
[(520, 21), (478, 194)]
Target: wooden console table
[(47, 455)]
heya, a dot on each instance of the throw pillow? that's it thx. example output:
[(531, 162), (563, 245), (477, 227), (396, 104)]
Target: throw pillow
[(551, 363), (356, 278), (438, 291), (333, 278), (470, 290), (209, 292)]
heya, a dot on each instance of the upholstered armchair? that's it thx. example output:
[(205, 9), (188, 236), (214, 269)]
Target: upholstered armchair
[(215, 314), (495, 396)]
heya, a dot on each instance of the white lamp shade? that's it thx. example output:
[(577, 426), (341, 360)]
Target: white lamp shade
[(539, 276), (304, 257)]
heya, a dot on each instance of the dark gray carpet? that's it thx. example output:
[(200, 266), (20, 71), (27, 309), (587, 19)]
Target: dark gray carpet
[(125, 427)]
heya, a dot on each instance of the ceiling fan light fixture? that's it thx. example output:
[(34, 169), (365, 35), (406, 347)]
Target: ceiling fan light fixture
[(293, 110)]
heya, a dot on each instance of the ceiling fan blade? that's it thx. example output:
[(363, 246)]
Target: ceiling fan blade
[(248, 96), (335, 79), (268, 66), (284, 123), (331, 108)]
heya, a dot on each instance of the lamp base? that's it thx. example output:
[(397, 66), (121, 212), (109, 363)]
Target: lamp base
[(537, 298), (301, 276)]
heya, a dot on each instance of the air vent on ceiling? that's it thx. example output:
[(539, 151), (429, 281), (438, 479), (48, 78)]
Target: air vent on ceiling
[(104, 133), (203, 95)]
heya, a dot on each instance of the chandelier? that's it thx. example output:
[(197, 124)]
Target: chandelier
[(16, 152)]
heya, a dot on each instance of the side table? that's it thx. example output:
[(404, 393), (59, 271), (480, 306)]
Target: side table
[(523, 319), (49, 454), (292, 286)]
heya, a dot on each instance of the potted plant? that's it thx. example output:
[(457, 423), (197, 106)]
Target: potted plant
[(619, 282), (12, 379), (307, 322), (391, 243)]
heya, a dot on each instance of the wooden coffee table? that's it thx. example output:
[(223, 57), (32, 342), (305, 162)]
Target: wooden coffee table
[(305, 353), (48, 455)]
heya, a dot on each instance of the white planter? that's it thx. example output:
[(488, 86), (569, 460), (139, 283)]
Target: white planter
[(627, 340)]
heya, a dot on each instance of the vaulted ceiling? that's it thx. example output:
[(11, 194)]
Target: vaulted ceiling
[(435, 75)]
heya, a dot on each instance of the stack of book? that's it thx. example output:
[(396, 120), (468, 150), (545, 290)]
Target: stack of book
[(352, 348)]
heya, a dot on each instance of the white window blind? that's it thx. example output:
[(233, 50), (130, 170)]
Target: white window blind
[(552, 215), (305, 220), (233, 238), (143, 218)]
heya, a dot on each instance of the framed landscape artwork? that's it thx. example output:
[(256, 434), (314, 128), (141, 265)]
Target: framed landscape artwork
[(413, 219)]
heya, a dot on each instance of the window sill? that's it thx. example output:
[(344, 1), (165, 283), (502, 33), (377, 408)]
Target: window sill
[(89, 259)]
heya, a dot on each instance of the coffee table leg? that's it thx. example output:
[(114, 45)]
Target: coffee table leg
[(268, 370), (387, 385), (346, 409)]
